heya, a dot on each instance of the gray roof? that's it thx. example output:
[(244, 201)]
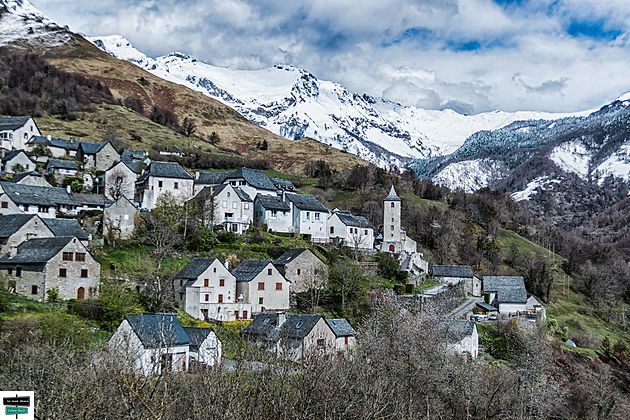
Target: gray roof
[(135, 166), (464, 271), (91, 199), (12, 154), (131, 155), (456, 330), (265, 326), (72, 145), (341, 327), (271, 202), (197, 336), (509, 289), (487, 306), (12, 223), (66, 227), (349, 219), (167, 170), (249, 269), (306, 202), (392, 196), (195, 268), (37, 250), (158, 330), (241, 194), (18, 177), (211, 178), (289, 256), (91, 148), (12, 123), (30, 194), (283, 184), (254, 177), (60, 164)]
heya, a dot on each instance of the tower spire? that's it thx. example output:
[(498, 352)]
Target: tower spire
[(392, 196)]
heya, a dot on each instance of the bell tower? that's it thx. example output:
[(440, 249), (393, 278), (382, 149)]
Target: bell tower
[(391, 223)]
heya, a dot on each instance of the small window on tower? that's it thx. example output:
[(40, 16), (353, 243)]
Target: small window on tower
[(392, 205)]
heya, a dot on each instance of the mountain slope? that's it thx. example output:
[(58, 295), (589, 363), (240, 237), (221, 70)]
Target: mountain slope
[(293, 103)]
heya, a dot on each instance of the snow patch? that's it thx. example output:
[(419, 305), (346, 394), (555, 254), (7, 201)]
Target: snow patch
[(469, 175), (617, 165), (21, 21), (541, 183), (572, 157)]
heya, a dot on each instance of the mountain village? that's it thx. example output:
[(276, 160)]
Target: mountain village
[(60, 199)]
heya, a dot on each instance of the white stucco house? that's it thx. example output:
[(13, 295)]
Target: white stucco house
[(16, 131), (309, 216), (461, 337), (273, 212), (506, 293), (252, 181), (160, 178), (262, 286), (350, 230), (234, 208), (17, 161), (206, 290), (345, 335), (205, 348)]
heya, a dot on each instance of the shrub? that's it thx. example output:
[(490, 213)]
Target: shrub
[(227, 237)]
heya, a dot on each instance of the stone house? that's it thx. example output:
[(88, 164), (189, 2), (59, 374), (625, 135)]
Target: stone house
[(46, 202), (31, 178), (160, 178), (350, 230), (98, 156), (16, 131), (58, 147), (18, 228), (454, 274), (461, 337), (233, 209), (151, 344), (120, 179), (295, 337), (120, 219), (262, 286), (303, 269), (506, 293), (206, 289), (61, 168), (61, 263), (252, 181), (395, 239), (84, 202), (17, 161), (273, 212), (208, 179), (68, 227), (309, 216), (345, 335)]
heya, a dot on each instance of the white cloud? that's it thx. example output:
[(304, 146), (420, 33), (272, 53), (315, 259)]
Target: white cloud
[(413, 51)]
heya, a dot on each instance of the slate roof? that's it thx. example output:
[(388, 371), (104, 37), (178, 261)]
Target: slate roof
[(13, 153), (72, 145), (18, 177), (283, 184), (66, 227), (61, 164), (487, 307), (289, 256), (254, 177), (392, 196), (265, 326), (131, 155), (211, 178), (271, 202), (456, 330), (509, 289), (242, 195), (91, 148), (167, 170), (306, 202), (197, 336), (195, 268), (37, 250), (134, 165), (249, 269), (30, 194), (349, 219), (341, 327), (12, 123), (11, 223), (158, 330), (464, 271), (91, 199)]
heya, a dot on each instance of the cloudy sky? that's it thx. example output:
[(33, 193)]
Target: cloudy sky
[(469, 55)]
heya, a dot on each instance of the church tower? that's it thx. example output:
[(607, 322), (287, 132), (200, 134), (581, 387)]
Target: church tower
[(391, 223)]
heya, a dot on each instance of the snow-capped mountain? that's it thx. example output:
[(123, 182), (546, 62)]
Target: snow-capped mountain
[(293, 103), (528, 157), (21, 21)]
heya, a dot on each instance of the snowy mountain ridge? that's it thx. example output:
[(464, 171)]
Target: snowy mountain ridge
[(21, 21), (293, 103)]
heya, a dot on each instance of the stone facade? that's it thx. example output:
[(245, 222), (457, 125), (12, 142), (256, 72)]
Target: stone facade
[(305, 270), (18, 162), (34, 228), (120, 180), (266, 291), (120, 219)]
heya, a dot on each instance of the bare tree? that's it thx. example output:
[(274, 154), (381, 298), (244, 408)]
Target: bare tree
[(119, 184)]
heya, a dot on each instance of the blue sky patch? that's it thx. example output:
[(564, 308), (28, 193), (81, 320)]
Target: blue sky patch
[(596, 29)]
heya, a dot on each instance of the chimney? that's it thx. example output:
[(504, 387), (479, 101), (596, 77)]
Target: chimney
[(68, 189), (13, 251), (49, 137), (227, 265), (282, 316)]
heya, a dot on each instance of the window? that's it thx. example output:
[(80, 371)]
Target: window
[(242, 183), (25, 207), (392, 227), (299, 271), (260, 301), (345, 340), (269, 271), (224, 204), (214, 269), (220, 298), (278, 286), (332, 230), (244, 314), (84, 273), (206, 297), (34, 290), (5, 205), (67, 256), (234, 205), (79, 256), (308, 215), (261, 285), (321, 342), (10, 271), (18, 271), (392, 205), (176, 185), (274, 213), (181, 296), (181, 282), (237, 315), (159, 184), (63, 272), (365, 232), (42, 209), (316, 216), (221, 282), (246, 206), (205, 282)]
